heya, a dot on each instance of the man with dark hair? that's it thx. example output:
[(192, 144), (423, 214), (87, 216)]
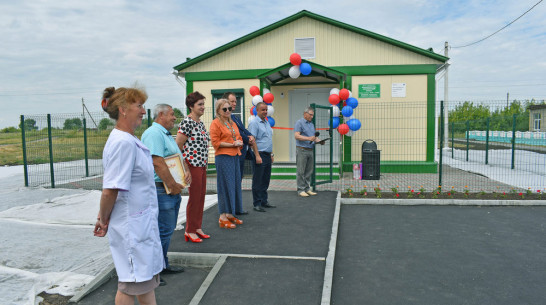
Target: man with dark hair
[(248, 140), (263, 132), (305, 134)]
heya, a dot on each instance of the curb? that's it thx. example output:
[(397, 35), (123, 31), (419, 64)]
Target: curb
[(442, 202)]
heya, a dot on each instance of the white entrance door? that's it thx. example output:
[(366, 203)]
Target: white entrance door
[(301, 99)]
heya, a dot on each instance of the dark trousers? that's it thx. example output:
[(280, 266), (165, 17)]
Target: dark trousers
[(242, 159), (260, 179), (196, 200)]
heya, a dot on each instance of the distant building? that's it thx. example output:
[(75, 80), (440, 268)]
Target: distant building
[(341, 56), (536, 114)]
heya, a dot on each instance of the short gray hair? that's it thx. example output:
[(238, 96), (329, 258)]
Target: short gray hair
[(161, 108), (309, 109)]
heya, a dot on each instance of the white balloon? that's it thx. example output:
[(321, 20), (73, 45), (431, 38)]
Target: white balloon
[(351, 117), (350, 133), (334, 91), (257, 99), (270, 110), (251, 118), (350, 93), (294, 71), (265, 90), (335, 111)]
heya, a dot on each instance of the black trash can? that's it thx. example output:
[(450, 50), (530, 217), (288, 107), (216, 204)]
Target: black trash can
[(371, 158)]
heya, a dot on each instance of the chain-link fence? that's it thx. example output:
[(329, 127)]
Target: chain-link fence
[(491, 152)]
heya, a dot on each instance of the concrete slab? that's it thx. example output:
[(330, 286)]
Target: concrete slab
[(297, 227), (440, 255), (266, 281)]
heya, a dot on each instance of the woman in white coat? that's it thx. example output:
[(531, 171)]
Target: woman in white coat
[(128, 205)]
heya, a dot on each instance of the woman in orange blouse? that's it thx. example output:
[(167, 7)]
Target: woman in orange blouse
[(227, 143)]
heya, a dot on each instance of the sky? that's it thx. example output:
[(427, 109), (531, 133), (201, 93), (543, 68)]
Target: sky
[(53, 54)]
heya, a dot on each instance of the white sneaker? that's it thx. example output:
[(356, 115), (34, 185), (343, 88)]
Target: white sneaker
[(303, 194), (311, 193)]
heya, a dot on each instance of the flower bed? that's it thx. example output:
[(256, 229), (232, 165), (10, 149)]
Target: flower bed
[(438, 193)]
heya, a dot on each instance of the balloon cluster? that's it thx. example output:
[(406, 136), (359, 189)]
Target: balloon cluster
[(298, 67), (350, 103), (257, 98)]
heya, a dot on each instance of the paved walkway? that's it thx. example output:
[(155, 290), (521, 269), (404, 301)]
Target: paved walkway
[(318, 251)]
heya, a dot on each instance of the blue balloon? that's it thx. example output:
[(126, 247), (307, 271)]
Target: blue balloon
[(353, 102), (305, 68), (347, 111), (255, 111), (271, 121), (335, 122), (354, 124)]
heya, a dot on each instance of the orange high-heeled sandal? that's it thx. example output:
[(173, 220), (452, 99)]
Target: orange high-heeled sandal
[(235, 220), (226, 224)]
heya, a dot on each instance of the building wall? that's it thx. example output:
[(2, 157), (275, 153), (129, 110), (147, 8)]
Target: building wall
[(397, 125), (532, 119), (334, 47)]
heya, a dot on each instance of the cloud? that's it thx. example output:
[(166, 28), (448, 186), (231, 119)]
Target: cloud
[(54, 53)]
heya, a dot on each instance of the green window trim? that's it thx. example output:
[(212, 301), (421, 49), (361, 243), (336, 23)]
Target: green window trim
[(239, 93)]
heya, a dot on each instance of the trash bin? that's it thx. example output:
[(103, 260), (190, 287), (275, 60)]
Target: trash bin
[(370, 160)]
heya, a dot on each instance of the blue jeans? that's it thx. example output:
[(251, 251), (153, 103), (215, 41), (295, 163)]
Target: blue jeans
[(260, 179), (168, 215)]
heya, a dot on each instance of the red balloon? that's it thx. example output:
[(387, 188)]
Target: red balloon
[(344, 94), (268, 98), (343, 128), (252, 110), (333, 99), (295, 59), (254, 90)]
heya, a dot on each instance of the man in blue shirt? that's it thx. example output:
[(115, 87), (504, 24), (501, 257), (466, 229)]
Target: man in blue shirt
[(263, 132), (161, 144), (304, 132)]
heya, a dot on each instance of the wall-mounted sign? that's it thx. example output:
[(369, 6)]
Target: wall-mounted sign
[(398, 90), (369, 90)]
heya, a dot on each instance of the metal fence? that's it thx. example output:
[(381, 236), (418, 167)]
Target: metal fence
[(416, 151)]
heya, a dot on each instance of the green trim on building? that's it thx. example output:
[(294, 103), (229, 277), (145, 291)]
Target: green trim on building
[(189, 89), (317, 70), (314, 16), (431, 113), (415, 167), (388, 69), (222, 91), (224, 75)]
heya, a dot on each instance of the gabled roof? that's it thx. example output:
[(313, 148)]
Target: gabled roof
[(308, 14), (280, 73)]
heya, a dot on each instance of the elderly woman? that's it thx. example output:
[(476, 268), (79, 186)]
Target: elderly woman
[(227, 144), (193, 141), (128, 204)]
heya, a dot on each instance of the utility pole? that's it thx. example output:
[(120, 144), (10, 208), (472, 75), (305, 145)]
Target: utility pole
[(507, 98), (446, 87)]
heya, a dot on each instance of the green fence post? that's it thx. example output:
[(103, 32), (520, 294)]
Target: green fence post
[(24, 142), (85, 148), (50, 150), (487, 142), (441, 142), (467, 138), (314, 174), (513, 140), (149, 117), (452, 140)]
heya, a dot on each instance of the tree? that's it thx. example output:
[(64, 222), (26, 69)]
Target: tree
[(9, 129), (75, 123), (178, 113), (30, 124), (104, 123)]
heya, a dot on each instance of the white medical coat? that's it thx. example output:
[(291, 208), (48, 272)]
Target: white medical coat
[(133, 231)]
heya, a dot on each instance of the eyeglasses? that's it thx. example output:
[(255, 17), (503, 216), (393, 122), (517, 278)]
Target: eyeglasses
[(226, 109), (311, 114)]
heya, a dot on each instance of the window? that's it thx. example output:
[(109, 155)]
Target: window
[(239, 93), (305, 47), (536, 119)]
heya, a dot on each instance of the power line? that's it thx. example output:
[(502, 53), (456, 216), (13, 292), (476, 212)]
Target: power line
[(475, 42)]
